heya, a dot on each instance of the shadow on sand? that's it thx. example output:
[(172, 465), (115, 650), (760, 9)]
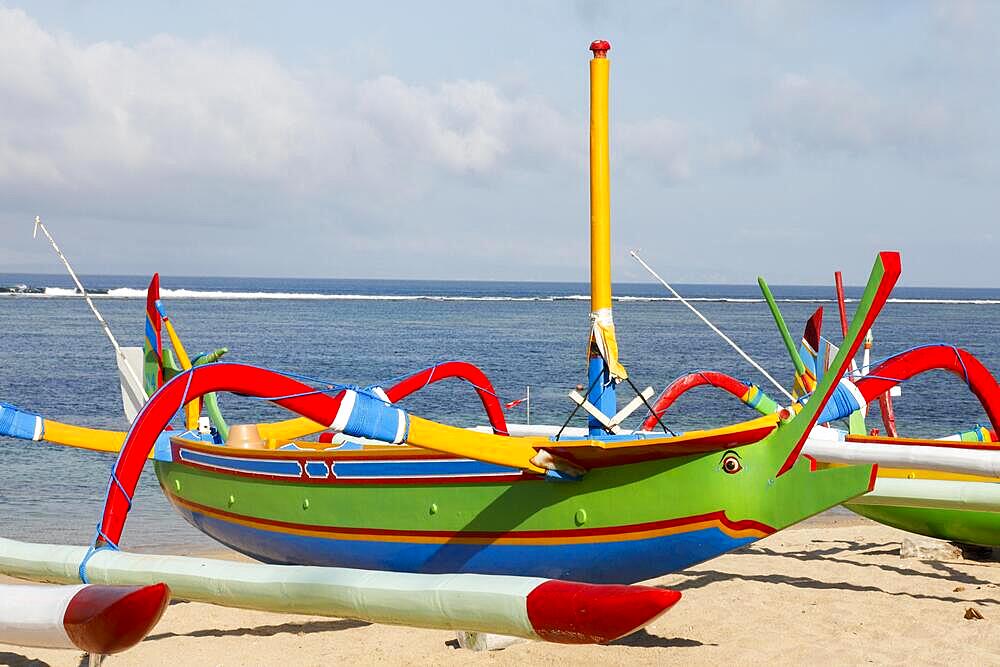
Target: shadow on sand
[(8, 659), (643, 639), (268, 630), (702, 578)]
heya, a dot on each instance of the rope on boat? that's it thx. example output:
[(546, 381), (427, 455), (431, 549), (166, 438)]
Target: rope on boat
[(958, 355), (635, 256), (666, 429), (576, 407)]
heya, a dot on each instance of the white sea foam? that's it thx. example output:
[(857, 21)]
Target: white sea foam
[(133, 293)]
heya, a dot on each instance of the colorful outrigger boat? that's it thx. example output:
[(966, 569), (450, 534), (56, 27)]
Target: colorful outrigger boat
[(410, 497), (607, 507)]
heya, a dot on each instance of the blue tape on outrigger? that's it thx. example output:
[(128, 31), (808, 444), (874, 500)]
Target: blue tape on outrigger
[(372, 418), (18, 423), (91, 550), (841, 404)]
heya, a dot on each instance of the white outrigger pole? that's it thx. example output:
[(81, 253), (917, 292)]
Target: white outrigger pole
[(124, 365)]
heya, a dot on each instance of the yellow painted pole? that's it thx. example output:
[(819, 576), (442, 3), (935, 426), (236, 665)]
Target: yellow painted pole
[(600, 181), (193, 409)]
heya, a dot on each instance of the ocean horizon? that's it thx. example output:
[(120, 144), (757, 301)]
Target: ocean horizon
[(254, 288)]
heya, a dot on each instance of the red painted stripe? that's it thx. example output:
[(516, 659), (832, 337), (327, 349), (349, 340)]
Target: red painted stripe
[(919, 442), (410, 481), (110, 619), (873, 477), (720, 516), (573, 613), (597, 457)]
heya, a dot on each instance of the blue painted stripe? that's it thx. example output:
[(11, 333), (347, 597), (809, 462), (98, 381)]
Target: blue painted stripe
[(433, 468), (151, 335), (317, 469), (604, 563), (258, 466)]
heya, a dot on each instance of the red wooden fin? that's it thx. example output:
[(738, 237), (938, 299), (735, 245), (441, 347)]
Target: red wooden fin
[(838, 279), (814, 325), (154, 338)]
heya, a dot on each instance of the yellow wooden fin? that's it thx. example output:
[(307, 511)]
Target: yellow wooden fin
[(192, 409)]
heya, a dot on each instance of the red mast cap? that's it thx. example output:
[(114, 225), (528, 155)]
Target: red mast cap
[(600, 48)]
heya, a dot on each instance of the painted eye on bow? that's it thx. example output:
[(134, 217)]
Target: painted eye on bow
[(731, 463)]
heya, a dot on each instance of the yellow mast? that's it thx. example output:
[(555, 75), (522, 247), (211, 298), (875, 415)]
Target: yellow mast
[(600, 181), (604, 370)]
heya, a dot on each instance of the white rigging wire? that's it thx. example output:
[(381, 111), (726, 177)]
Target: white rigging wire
[(635, 256), (107, 329)]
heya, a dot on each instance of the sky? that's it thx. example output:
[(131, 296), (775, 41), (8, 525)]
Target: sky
[(448, 140)]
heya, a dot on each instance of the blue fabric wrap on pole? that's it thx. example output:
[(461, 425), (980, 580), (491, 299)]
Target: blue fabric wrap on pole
[(840, 405), (372, 418), (17, 423)]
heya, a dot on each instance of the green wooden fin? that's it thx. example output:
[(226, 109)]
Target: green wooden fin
[(786, 336), (792, 434)]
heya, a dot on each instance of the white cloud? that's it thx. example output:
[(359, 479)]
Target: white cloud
[(661, 145), (175, 124), (839, 115)]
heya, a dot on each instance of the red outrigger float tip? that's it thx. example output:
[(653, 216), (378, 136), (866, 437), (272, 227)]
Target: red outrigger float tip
[(110, 619), (567, 612)]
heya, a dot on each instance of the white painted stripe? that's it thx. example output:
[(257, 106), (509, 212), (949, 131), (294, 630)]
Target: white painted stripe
[(233, 468), (32, 615), (921, 457), (934, 493), (344, 412), (427, 476), (400, 427), (380, 392), (38, 429)]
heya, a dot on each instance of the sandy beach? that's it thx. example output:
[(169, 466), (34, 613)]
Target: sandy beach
[(832, 590)]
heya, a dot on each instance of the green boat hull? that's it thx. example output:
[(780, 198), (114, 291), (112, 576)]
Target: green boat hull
[(966, 526), (618, 524)]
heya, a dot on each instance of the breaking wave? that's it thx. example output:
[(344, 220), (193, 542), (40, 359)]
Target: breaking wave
[(134, 293)]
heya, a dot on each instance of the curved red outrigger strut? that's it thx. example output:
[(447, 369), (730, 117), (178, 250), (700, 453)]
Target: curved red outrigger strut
[(880, 380), (455, 369), (958, 362), (685, 383)]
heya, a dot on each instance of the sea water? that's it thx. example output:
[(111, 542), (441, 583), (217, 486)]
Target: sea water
[(54, 360)]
